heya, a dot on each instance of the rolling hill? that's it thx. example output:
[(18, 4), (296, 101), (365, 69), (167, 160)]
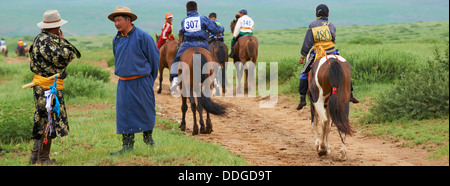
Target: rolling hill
[(88, 17)]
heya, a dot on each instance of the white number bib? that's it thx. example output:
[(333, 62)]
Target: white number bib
[(192, 24), (247, 23)]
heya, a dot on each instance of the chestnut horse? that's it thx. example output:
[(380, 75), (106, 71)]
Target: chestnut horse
[(246, 49), (167, 53), (203, 101), (329, 92)]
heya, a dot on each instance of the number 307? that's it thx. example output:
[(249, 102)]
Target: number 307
[(191, 24)]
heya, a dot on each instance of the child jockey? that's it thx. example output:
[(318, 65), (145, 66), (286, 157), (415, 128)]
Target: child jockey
[(244, 26), (212, 37), (166, 33), (194, 28), (323, 44)]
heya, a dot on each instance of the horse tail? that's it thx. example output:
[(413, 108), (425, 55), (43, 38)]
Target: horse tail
[(205, 101), (210, 106), (221, 55), (251, 48), (338, 106)]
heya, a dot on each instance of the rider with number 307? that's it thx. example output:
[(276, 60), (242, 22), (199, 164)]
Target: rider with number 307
[(194, 28)]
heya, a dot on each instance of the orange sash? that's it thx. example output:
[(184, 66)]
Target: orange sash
[(132, 77), (45, 82)]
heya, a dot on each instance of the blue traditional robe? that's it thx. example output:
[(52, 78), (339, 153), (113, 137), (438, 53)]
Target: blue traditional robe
[(135, 55)]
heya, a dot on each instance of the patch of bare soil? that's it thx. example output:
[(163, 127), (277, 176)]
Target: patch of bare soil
[(10, 60)]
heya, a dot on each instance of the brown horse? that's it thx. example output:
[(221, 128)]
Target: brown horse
[(329, 92), (187, 58), (219, 53), (246, 49), (167, 53)]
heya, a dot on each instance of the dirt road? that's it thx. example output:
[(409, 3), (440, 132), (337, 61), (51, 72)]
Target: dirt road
[(282, 135)]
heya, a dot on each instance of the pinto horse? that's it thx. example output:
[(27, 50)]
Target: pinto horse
[(329, 93), (246, 49), (167, 54), (203, 101)]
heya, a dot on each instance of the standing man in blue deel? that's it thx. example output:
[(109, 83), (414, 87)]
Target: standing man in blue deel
[(194, 28), (136, 64)]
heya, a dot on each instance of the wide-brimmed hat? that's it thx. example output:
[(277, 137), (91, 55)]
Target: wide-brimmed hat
[(52, 19), (122, 10)]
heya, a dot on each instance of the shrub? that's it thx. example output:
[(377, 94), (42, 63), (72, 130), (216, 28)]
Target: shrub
[(85, 80), (418, 94), (87, 70), (79, 86), (380, 64)]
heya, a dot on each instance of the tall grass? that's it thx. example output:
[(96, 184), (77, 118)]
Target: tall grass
[(421, 93)]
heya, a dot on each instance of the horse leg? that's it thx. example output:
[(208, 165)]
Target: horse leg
[(184, 108), (200, 113), (323, 147), (239, 71), (208, 124), (324, 121), (160, 80), (246, 81), (315, 128), (194, 108), (343, 153), (223, 78)]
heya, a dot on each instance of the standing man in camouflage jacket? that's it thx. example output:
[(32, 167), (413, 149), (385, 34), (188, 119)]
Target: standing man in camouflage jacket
[(50, 54)]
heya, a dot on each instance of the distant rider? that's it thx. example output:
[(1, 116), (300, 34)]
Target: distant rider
[(244, 26), (167, 31)]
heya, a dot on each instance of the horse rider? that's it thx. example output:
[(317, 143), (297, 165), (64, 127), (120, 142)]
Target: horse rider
[(212, 37), (322, 35), (194, 28), (167, 31), (20, 47), (244, 26), (2, 45)]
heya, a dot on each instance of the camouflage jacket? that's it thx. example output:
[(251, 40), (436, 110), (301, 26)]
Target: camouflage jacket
[(50, 55)]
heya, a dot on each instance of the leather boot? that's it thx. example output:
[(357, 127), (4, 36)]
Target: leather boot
[(128, 144), (44, 153), (35, 151), (148, 139), (302, 102), (353, 99), (233, 42)]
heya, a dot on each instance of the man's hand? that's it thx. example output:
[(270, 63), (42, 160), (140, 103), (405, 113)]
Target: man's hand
[(61, 35), (300, 61)]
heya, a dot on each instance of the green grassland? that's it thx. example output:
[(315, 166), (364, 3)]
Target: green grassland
[(382, 58)]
